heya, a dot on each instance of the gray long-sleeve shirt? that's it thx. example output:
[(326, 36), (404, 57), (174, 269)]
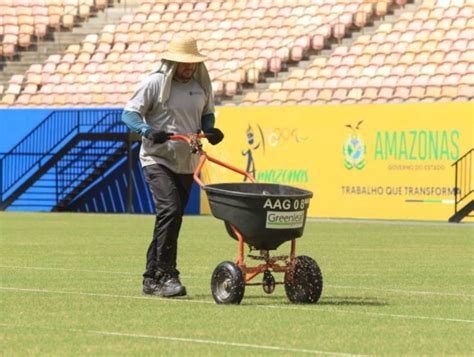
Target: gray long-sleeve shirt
[(180, 114)]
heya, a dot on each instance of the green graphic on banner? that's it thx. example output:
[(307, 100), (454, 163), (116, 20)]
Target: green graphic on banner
[(354, 149)]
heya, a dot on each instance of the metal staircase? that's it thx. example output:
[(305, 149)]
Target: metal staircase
[(464, 187), (62, 156)]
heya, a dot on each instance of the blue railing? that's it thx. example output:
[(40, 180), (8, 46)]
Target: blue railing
[(47, 139), (463, 178), (82, 161)]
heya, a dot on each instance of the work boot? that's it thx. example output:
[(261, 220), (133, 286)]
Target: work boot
[(150, 286), (171, 286)]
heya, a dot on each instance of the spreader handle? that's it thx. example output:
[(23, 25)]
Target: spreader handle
[(203, 157), (186, 138)]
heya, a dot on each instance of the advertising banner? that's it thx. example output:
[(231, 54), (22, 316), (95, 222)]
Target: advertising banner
[(387, 161)]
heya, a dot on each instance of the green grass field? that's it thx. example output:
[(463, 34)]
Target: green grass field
[(71, 285)]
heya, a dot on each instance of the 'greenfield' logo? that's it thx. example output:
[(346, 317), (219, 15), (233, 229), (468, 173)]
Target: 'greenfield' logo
[(284, 220), (354, 149)]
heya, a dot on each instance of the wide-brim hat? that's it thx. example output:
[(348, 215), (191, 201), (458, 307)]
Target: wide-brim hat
[(183, 48)]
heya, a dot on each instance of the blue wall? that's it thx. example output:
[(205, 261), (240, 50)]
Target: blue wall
[(111, 193), (17, 123), (105, 195)]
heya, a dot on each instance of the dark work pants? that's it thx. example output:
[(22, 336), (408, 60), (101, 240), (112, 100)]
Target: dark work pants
[(170, 193)]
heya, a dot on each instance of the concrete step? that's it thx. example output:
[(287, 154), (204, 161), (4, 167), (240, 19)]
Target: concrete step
[(279, 78), (30, 57), (239, 97), (259, 87), (88, 29), (302, 64), (126, 4), (100, 20), (16, 68), (4, 80), (69, 37)]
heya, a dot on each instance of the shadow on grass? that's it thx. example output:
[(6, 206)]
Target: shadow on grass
[(352, 301), (200, 297), (325, 300)]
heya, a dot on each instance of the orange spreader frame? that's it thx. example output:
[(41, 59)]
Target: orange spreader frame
[(269, 262)]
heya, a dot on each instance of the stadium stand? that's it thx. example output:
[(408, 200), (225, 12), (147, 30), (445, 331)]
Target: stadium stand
[(425, 53), (51, 33), (24, 19)]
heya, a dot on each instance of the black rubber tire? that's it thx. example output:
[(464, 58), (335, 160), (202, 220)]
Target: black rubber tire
[(227, 284), (268, 282), (307, 283)]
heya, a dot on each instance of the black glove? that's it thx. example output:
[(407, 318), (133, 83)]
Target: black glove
[(214, 135), (159, 137)]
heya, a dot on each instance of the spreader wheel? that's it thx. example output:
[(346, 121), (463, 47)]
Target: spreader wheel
[(304, 284), (268, 282), (227, 284)]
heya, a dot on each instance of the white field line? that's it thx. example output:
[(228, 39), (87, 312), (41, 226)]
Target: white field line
[(70, 270), (392, 222), (82, 271), (370, 221), (375, 314), (198, 341), (400, 291), (185, 300), (388, 290)]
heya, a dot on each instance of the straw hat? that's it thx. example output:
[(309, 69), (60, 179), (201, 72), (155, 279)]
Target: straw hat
[(183, 48)]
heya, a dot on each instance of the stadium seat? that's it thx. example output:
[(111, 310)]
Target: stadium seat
[(8, 99), (100, 4), (279, 98), (295, 96), (369, 95), (254, 39), (23, 100)]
